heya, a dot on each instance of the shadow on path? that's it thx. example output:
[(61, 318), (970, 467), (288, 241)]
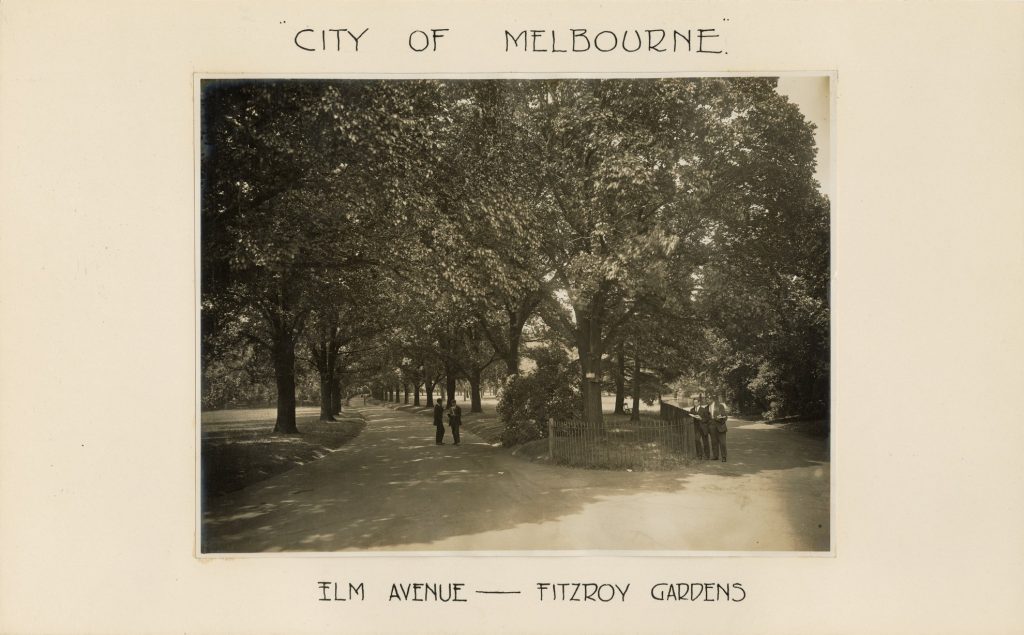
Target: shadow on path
[(392, 487)]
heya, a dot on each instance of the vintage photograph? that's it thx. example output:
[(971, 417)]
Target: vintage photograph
[(515, 315)]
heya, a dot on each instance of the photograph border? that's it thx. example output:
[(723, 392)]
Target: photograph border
[(829, 189)]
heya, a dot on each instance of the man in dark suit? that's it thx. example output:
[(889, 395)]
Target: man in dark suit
[(701, 416), (455, 419), (439, 423), (718, 415)]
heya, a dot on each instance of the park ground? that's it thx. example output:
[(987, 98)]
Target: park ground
[(381, 483)]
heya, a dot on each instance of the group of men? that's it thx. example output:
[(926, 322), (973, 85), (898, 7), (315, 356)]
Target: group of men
[(454, 420), (709, 423)]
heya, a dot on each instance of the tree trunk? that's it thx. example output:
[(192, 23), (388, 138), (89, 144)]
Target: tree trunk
[(474, 394), (635, 415), (284, 374), (336, 396), (515, 334), (620, 381), (512, 364), (406, 388), (326, 362), (430, 392), (416, 394), (588, 343), (327, 385), (449, 384)]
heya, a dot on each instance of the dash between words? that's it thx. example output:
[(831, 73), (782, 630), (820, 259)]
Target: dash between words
[(452, 592)]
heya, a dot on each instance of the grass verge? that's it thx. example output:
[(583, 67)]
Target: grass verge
[(484, 425), (238, 457)]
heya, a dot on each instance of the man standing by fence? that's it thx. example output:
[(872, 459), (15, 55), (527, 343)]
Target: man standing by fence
[(701, 416), (718, 415)]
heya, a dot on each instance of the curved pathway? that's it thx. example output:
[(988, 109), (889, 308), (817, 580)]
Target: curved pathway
[(392, 488)]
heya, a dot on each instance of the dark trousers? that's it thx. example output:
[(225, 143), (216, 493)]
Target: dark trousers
[(455, 433), (700, 433), (439, 436), (717, 443)]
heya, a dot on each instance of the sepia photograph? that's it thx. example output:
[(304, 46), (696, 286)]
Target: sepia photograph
[(460, 318), (515, 315)]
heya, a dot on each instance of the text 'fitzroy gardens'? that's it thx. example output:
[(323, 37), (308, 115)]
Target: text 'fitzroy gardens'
[(582, 40)]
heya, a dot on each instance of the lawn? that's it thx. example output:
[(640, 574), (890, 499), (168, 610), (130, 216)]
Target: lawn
[(239, 448)]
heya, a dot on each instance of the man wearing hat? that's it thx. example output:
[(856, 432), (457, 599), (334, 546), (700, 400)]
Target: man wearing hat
[(439, 423), (719, 413), (455, 419), (701, 417)]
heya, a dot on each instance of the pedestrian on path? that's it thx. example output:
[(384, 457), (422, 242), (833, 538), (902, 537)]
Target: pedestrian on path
[(719, 413), (439, 423), (702, 419), (454, 419)]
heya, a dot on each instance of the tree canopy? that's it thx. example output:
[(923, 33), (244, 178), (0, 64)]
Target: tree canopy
[(394, 233)]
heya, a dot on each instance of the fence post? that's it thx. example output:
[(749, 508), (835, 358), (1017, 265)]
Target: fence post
[(551, 439)]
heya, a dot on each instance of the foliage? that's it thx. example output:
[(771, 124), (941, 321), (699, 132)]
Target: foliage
[(764, 287), (235, 383), (527, 401), (394, 232), (246, 380), (766, 388), (300, 200)]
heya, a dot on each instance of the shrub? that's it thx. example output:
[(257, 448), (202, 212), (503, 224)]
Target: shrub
[(550, 391), (765, 387)]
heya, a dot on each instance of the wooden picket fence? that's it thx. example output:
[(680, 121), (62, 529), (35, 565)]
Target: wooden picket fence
[(652, 443)]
